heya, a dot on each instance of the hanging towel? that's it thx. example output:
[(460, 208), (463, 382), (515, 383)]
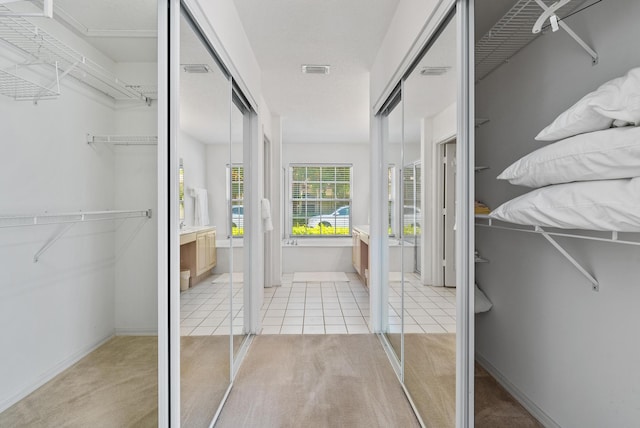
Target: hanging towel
[(201, 214), (265, 214)]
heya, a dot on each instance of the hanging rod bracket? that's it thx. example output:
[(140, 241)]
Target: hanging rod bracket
[(549, 11), (52, 241), (594, 282)]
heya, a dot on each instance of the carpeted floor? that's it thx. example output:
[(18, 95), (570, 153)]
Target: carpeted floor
[(204, 378), (116, 386), (316, 381), (430, 378)]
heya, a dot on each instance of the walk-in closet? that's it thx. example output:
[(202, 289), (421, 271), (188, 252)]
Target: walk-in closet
[(78, 229), (562, 266)]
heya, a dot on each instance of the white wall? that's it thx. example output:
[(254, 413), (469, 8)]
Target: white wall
[(193, 155), (407, 23), (136, 242), (569, 350), (227, 34), (53, 311)]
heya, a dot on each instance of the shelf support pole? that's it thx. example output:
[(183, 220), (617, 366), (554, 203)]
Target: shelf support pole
[(52, 241), (565, 27), (594, 282)]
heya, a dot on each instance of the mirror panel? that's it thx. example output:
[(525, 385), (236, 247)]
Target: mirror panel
[(429, 96), (205, 115), (392, 313), (236, 203)]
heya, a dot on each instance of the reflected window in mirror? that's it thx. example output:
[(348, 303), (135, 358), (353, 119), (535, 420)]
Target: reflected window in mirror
[(236, 191)]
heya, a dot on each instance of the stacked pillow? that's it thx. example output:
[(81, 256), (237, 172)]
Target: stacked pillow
[(591, 178)]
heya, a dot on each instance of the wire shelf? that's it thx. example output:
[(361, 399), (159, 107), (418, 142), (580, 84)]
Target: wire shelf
[(19, 88), (511, 34), (124, 140), (73, 217), (41, 46)]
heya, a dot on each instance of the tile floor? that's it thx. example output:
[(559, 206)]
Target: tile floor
[(204, 308), (316, 307)]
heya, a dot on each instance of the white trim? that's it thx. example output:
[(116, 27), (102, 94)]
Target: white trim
[(520, 396), (53, 372), (433, 22), (208, 31), (162, 215), (171, 270), (465, 220)]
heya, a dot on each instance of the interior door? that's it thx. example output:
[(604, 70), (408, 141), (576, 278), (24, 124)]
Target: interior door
[(449, 214)]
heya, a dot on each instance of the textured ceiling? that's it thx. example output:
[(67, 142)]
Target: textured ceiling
[(345, 34)]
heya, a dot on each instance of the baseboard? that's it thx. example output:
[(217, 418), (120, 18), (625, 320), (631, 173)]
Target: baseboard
[(136, 332), (520, 396), (53, 372)]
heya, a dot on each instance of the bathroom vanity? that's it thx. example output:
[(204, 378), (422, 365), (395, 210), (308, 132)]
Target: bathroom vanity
[(198, 251), (360, 252)]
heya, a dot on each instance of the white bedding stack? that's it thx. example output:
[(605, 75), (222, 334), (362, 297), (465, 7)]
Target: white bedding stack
[(591, 178)]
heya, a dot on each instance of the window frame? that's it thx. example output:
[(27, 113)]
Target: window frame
[(231, 200), (345, 201)]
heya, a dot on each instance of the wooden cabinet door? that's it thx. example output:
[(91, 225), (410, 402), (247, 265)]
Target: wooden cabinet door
[(355, 253), (201, 253), (211, 250)]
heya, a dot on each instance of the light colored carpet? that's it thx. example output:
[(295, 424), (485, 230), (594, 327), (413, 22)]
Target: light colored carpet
[(430, 378), (114, 386), (320, 277), (204, 377), (316, 381)]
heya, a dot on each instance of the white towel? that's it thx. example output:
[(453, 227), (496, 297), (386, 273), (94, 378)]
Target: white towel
[(265, 214), (201, 214)]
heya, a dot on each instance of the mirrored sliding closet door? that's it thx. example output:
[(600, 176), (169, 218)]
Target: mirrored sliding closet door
[(205, 148)]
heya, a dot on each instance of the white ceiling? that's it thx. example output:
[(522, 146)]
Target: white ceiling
[(345, 34), (118, 17)]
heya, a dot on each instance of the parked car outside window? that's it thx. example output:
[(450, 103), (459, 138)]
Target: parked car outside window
[(237, 216), (338, 218)]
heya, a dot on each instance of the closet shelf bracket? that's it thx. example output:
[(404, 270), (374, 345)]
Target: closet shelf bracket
[(483, 220), (124, 140), (570, 32), (595, 286), (68, 220)]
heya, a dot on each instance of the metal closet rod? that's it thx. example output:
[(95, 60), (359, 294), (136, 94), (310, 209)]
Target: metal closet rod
[(70, 217), (69, 220)]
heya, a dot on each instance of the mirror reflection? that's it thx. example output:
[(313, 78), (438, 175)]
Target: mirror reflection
[(237, 220), (204, 146), (393, 288), (428, 233)]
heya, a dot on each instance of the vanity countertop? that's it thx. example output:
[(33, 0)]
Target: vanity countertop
[(195, 229), (188, 234), (362, 229)]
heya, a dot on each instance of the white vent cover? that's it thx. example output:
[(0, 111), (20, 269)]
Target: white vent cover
[(195, 68), (316, 69), (435, 70)]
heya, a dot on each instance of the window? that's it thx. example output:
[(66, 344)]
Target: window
[(393, 227), (320, 200), (236, 189)]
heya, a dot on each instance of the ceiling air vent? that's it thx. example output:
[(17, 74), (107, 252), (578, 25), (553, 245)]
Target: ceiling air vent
[(434, 71), (196, 68), (316, 69)]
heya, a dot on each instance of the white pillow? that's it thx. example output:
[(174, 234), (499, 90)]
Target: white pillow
[(482, 302), (616, 100), (612, 153), (612, 205)]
